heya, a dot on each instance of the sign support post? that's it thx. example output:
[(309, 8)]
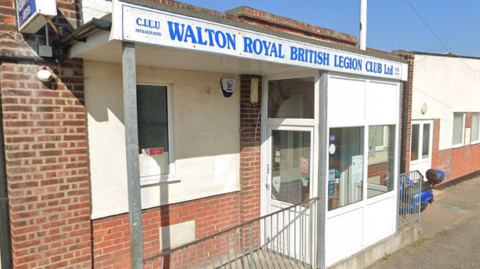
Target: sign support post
[(131, 143)]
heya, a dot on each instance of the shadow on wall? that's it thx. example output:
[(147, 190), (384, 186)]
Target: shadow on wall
[(205, 123)]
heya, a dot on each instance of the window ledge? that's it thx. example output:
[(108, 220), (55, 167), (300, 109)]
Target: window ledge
[(457, 146), (475, 142), (155, 180)]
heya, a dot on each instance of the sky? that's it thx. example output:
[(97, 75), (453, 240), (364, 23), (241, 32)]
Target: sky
[(450, 25)]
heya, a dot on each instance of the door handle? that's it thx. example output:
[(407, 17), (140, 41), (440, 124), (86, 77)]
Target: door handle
[(268, 186)]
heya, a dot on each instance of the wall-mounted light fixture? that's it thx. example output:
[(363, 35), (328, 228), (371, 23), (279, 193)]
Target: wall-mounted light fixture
[(254, 90), (44, 75), (424, 108)]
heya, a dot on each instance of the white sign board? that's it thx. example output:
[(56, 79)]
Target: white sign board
[(139, 24)]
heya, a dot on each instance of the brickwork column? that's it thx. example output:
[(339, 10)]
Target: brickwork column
[(408, 88), (45, 137), (47, 166), (250, 139)]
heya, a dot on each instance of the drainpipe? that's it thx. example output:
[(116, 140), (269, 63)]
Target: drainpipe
[(363, 24)]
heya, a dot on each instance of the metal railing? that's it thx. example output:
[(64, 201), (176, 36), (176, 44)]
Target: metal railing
[(409, 198), (283, 239)]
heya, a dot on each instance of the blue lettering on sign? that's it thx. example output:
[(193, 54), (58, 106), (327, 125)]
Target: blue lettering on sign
[(309, 56), (185, 33), (373, 67), (258, 47), (148, 23), (388, 69), (348, 63)]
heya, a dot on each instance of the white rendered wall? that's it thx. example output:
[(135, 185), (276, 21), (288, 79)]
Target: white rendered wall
[(206, 137), (95, 9), (446, 85)]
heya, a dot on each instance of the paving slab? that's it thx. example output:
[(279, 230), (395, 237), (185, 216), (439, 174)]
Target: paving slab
[(451, 232)]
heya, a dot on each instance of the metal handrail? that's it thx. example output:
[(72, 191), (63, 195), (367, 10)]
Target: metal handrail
[(305, 206)]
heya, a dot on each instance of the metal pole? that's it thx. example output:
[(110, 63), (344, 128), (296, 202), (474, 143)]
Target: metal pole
[(322, 170), (131, 144), (363, 24)]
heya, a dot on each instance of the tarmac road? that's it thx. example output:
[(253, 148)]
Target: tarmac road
[(451, 232)]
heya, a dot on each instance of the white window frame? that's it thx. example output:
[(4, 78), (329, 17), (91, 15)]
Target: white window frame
[(471, 132), (463, 130), (171, 176)]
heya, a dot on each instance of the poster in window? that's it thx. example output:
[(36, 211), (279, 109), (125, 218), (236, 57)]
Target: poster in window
[(304, 165), (331, 175), (357, 168)]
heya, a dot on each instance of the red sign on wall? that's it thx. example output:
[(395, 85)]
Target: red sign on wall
[(152, 151)]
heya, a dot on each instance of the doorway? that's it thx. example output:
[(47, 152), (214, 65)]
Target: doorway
[(421, 146), (289, 175)]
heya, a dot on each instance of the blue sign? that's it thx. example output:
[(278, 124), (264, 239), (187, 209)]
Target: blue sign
[(25, 10), (331, 189)]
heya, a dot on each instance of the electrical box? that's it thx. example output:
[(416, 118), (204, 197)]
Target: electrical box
[(31, 14)]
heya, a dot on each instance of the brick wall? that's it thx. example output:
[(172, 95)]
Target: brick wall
[(47, 165), (456, 162), (45, 148), (250, 125), (111, 235)]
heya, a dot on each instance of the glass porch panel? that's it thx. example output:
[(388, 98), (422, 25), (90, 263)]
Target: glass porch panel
[(345, 174), (290, 166), (291, 98), (381, 160), (414, 145)]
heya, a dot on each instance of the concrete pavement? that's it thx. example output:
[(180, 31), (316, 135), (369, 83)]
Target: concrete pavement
[(451, 232)]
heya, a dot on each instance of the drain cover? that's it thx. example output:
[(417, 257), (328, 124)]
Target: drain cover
[(447, 207)]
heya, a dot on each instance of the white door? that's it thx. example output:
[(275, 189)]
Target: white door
[(289, 182), (421, 146)]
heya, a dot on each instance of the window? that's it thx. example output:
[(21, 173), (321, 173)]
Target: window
[(153, 131), (415, 142), (475, 127), (345, 179), (458, 128), (291, 98), (381, 166), (290, 183)]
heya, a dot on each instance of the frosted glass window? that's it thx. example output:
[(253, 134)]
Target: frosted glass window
[(152, 109), (475, 126), (458, 128)]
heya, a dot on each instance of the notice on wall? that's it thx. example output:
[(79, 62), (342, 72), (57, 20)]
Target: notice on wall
[(152, 151), (357, 168), (304, 165)]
